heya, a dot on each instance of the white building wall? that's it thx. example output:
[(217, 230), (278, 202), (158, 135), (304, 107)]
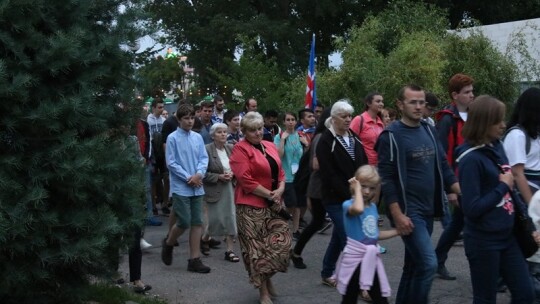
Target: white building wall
[(507, 38)]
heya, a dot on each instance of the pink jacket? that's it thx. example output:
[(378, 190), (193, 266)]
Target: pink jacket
[(251, 169), (355, 253)]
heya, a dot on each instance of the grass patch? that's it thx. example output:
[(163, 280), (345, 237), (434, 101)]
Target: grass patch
[(110, 294)]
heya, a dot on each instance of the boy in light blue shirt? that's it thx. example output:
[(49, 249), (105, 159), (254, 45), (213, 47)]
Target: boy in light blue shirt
[(187, 161)]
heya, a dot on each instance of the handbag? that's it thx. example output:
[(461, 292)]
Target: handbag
[(523, 227)]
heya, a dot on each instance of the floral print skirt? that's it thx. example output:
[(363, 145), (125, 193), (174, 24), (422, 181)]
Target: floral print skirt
[(265, 241)]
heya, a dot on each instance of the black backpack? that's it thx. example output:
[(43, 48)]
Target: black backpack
[(158, 153), (301, 178)]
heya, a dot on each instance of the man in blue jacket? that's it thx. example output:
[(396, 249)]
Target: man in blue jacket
[(415, 173)]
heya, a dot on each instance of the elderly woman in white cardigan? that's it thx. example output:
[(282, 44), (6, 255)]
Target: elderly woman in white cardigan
[(218, 188)]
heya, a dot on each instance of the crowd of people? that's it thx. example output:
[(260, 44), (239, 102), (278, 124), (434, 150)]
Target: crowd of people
[(241, 176)]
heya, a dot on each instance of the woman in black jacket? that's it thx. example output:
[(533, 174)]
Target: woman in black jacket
[(339, 153)]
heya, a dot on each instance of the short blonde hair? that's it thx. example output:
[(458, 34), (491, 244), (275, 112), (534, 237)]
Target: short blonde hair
[(252, 121), (367, 173)]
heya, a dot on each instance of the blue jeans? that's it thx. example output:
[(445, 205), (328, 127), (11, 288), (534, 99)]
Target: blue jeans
[(449, 236), (420, 263), (447, 216), (488, 260), (337, 241)]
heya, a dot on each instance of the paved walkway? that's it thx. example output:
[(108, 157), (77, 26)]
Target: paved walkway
[(228, 282)]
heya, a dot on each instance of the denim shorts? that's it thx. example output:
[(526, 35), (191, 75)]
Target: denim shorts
[(188, 210)]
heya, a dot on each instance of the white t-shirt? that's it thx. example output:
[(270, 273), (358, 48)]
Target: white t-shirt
[(463, 115), (155, 124), (534, 213), (514, 146)]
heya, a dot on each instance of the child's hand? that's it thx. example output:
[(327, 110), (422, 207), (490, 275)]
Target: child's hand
[(353, 182)]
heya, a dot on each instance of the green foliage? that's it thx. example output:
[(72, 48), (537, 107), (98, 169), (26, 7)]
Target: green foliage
[(107, 294), (386, 29), (419, 58), (159, 73), (493, 73), (257, 77), (278, 31), (408, 43), (521, 49), (70, 181)]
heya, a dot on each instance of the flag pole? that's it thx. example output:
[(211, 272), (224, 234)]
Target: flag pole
[(311, 92)]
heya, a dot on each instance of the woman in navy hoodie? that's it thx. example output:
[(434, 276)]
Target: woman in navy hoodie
[(485, 179)]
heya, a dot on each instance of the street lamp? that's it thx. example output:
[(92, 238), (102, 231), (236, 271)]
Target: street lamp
[(134, 46)]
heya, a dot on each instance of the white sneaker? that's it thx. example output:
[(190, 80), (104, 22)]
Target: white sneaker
[(145, 244)]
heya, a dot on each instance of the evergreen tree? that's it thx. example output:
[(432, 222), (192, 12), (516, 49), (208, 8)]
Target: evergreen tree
[(70, 181)]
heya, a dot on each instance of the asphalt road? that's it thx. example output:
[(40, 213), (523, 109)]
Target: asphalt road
[(228, 282)]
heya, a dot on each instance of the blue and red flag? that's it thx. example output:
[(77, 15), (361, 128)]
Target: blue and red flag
[(311, 96)]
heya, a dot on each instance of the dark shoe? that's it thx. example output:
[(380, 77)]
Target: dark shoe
[(165, 210), (176, 244), (327, 225), (231, 257), (213, 243), (205, 247), (153, 222), (196, 265), (501, 286), (296, 235), (303, 223), (142, 289), (298, 262), (444, 274), (166, 253)]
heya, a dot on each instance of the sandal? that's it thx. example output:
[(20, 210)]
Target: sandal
[(329, 282), (231, 257), (141, 288), (364, 296)]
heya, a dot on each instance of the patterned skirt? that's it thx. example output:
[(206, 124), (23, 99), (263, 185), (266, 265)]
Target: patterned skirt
[(265, 241)]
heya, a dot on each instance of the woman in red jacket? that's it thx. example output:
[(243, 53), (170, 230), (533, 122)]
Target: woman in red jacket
[(263, 233)]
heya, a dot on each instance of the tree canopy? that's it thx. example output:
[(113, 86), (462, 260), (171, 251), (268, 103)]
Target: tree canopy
[(393, 49), (214, 32)]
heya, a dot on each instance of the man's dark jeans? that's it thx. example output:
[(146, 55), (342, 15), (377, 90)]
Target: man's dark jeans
[(449, 236), (420, 263)]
